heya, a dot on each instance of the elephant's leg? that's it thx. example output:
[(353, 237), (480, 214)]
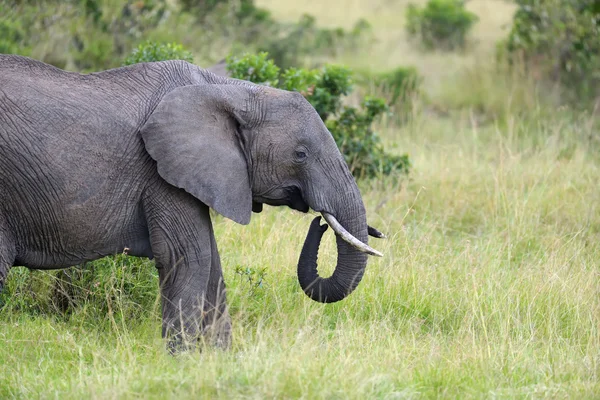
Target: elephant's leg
[(180, 236), (7, 255), (4, 268), (216, 321)]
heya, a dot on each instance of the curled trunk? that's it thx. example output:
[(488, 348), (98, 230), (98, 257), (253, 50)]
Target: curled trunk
[(350, 266)]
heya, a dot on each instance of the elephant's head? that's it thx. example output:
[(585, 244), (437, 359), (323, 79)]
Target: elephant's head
[(237, 145)]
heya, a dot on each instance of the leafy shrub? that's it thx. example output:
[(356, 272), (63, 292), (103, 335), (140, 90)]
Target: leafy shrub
[(360, 145), (297, 79), (333, 83), (324, 88), (257, 68), (561, 40), (152, 51), (442, 24)]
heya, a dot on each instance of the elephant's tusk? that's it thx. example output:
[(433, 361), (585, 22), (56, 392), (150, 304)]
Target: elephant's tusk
[(345, 235), (375, 233)]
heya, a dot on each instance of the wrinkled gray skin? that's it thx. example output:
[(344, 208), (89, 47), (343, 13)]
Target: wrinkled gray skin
[(132, 158)]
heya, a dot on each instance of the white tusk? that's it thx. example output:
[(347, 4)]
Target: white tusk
[(345, 235)]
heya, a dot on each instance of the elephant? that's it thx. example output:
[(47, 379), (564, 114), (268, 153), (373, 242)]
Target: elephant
[(133, 158)]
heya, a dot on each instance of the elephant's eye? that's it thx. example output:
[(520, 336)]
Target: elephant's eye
[(300, 155)]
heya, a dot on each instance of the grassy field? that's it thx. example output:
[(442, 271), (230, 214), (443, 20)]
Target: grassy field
[(489, 286)]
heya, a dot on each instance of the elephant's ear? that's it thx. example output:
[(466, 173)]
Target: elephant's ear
[(193, 135)]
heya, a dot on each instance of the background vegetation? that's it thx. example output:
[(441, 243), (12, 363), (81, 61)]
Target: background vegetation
[(490, 283), (440, 24)]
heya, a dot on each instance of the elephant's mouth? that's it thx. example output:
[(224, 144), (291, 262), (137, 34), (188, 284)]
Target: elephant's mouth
[(292, 198), (295, 200)]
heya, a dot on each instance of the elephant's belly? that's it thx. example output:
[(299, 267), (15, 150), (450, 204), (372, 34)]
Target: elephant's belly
[(43, 259), (72, 241)]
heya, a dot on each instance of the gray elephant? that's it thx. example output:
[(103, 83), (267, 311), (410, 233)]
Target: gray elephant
[(132, 158)]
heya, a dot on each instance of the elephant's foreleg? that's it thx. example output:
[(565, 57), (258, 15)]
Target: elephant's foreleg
[(4, 268), (180, 235), (216, 322), (7, 255)]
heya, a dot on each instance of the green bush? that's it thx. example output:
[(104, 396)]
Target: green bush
[(152, 51), (324, 88), (441, 24), (560, 40), (333, 83), (257, 68), (361, 146)]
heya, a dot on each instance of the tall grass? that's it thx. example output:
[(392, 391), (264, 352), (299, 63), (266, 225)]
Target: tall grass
[(489, 286)]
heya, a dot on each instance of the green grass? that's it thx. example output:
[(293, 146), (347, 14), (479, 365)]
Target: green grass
[(489, 286)]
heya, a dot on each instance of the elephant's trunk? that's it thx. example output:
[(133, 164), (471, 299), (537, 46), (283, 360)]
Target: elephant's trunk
[(351, 261)]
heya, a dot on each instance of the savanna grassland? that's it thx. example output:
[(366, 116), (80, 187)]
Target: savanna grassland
[(489, 286)]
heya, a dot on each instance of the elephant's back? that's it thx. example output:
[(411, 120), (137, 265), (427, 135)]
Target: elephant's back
[(16, 64), (63, 122), (67, 140)]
